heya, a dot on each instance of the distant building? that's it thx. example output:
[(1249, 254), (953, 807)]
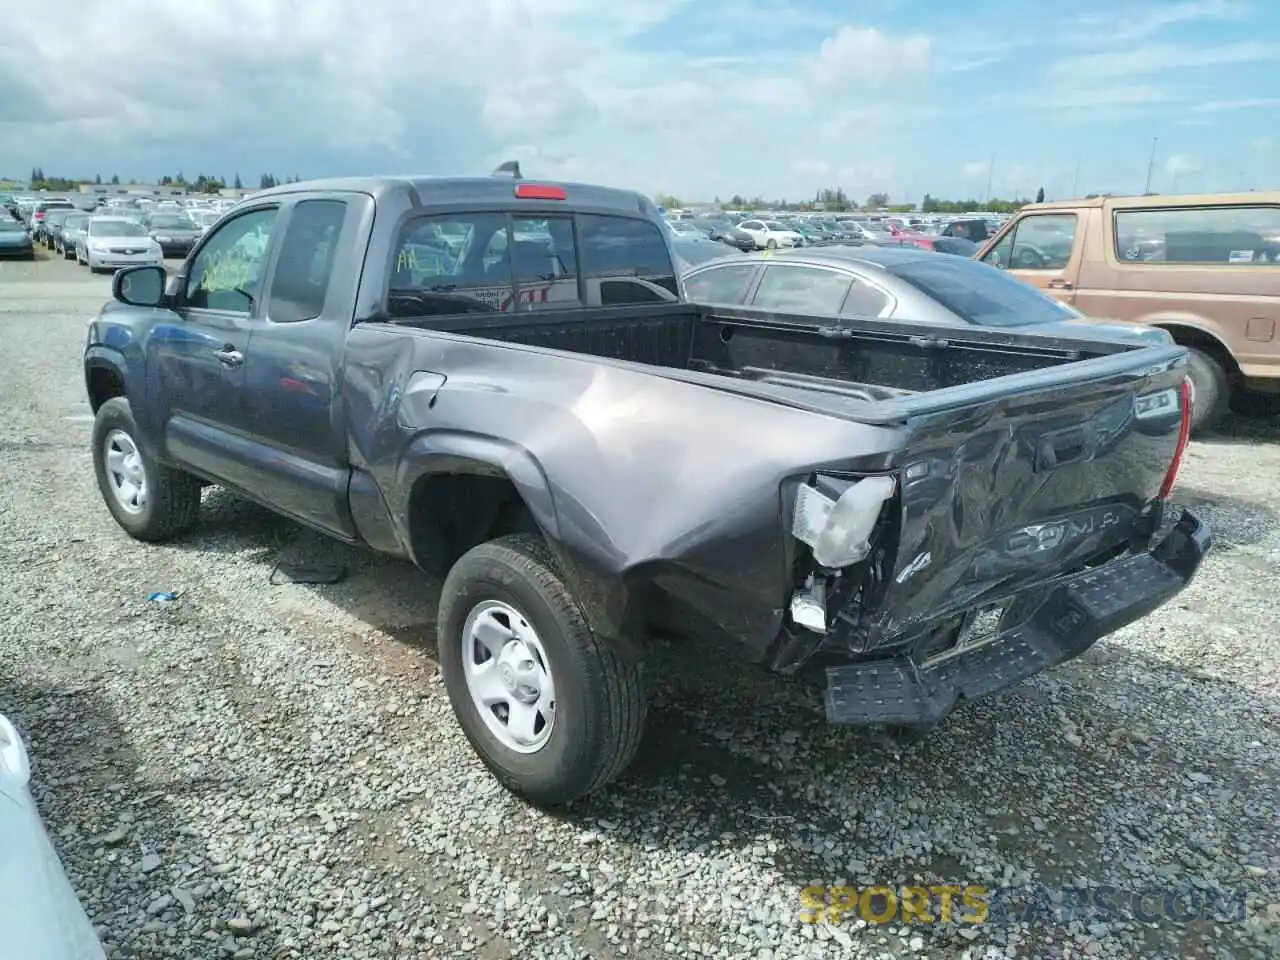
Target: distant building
[(133, 190), (235, 193)]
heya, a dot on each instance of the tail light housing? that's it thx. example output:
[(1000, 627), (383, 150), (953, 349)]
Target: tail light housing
[(1184, 434), (539, 191)]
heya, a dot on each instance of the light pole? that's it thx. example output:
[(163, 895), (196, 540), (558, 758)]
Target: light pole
[(991, 169), (1151, 164), (1075, 179)]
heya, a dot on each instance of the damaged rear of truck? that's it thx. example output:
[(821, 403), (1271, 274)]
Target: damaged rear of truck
[(498, 381), (922, 519)]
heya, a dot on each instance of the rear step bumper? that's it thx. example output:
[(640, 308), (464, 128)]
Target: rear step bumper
[(1079, 611)]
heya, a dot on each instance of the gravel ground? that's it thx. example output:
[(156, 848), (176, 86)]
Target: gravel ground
[(273, 771)]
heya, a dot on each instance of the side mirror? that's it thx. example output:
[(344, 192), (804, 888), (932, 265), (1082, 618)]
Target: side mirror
[(139, 286)]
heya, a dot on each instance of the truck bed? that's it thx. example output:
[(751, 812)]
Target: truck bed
[(863, 360)]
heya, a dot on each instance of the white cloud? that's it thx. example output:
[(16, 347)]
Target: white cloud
[(975, 169), (1157, 58), (1182, 164), (694, 98), (812, 170), (1130, 26), (868, 56), (1249, 103), (571, 87)]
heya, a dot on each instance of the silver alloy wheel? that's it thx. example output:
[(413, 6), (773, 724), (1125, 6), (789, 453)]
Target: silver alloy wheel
[(508, 676), (126, 475)]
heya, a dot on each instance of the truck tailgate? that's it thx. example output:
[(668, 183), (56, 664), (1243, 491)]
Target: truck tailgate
[(1003, 492)]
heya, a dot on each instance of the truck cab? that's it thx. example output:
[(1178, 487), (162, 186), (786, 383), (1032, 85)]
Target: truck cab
[(1204, 268)]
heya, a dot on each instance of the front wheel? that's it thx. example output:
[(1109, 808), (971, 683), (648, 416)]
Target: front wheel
[(554, 711), (150, 501)]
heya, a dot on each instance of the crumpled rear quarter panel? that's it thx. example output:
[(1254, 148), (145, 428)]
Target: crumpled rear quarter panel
[(653, 481)]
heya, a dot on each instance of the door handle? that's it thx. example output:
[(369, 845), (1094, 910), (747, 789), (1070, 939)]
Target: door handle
[(229, 356), (1060, 284)]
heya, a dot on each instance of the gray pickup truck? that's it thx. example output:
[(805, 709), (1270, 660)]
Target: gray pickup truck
[(496, 379)]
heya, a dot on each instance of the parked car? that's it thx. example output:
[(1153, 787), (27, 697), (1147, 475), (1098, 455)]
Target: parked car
[(866, 230), (585, 458), (15, 240), (40, 914), (899, 283), (727, 233), (686, 229), (1205, 268), (770, 234), (956, 246), (41, 210), (71, 233), (975, 230), (691, 253), (51, 229), (204, 219), (174, 232), (113, 242)]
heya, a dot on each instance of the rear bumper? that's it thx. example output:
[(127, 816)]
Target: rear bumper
[(1076, 613)]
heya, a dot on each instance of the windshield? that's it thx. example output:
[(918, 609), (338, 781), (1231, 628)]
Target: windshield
[(172, 222), (115, 228), (75, 221), (12, 226), (981, 294)]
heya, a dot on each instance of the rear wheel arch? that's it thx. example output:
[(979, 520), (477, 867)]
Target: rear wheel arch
[(1212, 370), (1208, 343), (467, 490)]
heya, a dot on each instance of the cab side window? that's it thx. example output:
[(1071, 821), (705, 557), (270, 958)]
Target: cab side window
[(625, 260), (227, 272), (1223, 236), (1040, 242), (300, 282)]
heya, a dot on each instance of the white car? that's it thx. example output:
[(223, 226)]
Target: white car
[(769, 234), (40, 915), (204, 219), (110, 243)]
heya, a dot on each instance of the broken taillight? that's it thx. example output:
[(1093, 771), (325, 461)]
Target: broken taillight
[(1184, 433)]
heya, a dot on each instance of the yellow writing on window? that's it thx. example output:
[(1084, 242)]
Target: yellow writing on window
[(407, 260)]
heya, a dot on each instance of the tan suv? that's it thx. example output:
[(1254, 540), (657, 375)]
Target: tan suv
[(1205, 268)]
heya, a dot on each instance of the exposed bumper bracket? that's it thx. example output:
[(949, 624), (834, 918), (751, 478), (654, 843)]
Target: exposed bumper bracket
[(1076, 614)]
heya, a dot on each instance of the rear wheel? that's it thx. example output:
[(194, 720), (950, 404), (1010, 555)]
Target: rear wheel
[(1210, 391), (771, 244), (150, 501), (554, 711)]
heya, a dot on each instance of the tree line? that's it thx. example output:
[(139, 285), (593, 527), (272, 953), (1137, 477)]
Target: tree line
[(835, 200), (202, 183)]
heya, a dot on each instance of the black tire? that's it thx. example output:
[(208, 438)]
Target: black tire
[(1211, 392), (173, 505), (771, 244), (600, 702), (1254, 404)]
